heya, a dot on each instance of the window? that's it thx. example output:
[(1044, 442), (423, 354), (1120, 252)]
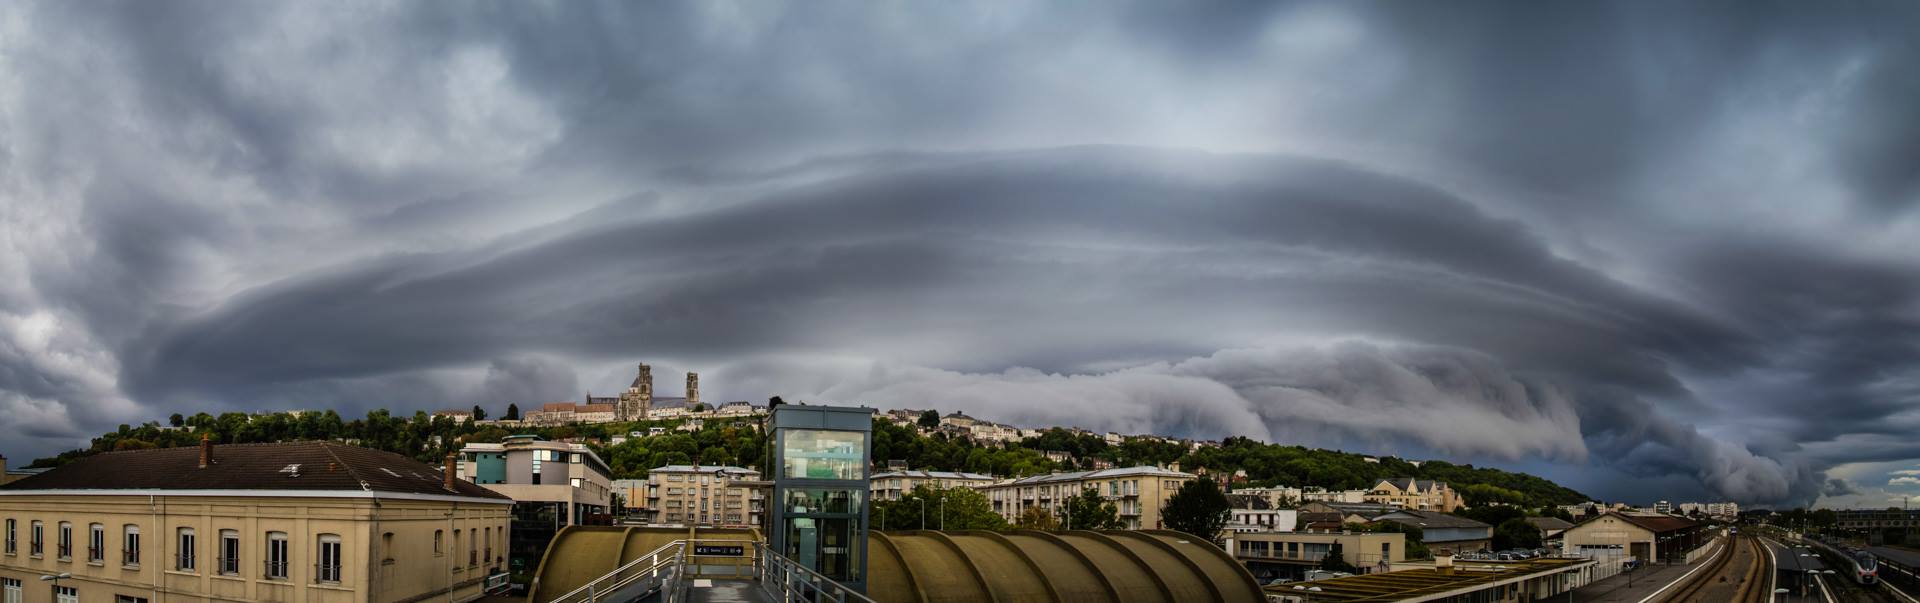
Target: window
[(438, 549), (456, 545), (821, 454), (329, 568), (230, 552), (10, 589), (489, 557), (66, 594), (386, 548), (64, 549), (277, 555), (13, 545), (36, 542), (96, 543), (183, 556), (473, 547), (576, 482), (127, 599), (130, 545)]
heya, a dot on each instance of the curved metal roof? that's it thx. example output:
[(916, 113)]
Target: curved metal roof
[(1027, 565), (932, 566)]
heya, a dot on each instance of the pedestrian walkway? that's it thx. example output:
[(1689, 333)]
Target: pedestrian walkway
[(1629, 587)]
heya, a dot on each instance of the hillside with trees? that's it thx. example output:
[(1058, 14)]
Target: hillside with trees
[(738, 441)]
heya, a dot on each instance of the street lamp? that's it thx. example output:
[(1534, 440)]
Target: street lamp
[(55, 579)]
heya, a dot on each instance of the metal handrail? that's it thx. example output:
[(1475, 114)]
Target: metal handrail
[(614, 575), (818, 586)]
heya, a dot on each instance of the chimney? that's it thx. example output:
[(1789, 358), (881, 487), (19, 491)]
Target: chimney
[(206, 451), (693, 388), (449, 472)]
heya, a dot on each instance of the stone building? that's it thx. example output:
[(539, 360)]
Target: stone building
[(638, 399), (316, 522)]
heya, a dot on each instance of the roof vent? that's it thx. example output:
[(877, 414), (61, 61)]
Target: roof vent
[(292, 470)]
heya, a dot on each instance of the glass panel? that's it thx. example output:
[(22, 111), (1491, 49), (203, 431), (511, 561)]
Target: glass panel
[(819, 454), (825, 544), (819, 500)]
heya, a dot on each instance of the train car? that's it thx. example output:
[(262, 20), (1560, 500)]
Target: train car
[(1866, 569)]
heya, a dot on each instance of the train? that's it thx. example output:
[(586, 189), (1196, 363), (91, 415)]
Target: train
[(1866, 569)]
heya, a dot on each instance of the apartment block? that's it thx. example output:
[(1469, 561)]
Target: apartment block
[(892, 485), (1137, 492), (708, 495)]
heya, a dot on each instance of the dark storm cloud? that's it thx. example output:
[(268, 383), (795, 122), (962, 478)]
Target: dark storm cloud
[(1645, 237)]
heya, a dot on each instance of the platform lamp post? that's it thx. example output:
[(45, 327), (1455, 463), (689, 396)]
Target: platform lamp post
[(55, 579)]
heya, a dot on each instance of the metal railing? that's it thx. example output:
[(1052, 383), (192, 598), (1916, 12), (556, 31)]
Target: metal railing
[(498, 584), (790, 582), (660, 564), (667, 570)]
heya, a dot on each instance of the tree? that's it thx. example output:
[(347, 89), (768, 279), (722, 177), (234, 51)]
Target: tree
[(700, 407), (774, 401), (176, 420), (513, 412), (1515, 533), (1088, 511), (930, 419), (944, 508), (1416, 547), (1198, 508), (1336, 560), (479, 414), (1036, 518)]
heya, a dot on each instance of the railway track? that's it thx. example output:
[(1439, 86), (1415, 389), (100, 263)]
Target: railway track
[(1736, 574)]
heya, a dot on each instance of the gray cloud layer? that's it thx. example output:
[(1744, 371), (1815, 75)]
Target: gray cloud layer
[(1630, 240)]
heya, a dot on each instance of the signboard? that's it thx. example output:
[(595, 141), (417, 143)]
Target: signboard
[(719, 550)]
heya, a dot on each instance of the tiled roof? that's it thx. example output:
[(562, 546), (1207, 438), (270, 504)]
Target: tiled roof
[(557, 407), (1656, 524), (1549, 523), (307, 466), (585, 408)]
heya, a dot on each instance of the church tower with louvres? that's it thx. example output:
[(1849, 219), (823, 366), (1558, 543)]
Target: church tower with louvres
[(638, 399)]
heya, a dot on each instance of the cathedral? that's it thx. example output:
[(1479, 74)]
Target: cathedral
[(638, 402)]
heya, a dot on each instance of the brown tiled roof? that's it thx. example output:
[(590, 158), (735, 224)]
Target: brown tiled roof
[(586, 408), (1656, 524), (315, 466), (557, 407)]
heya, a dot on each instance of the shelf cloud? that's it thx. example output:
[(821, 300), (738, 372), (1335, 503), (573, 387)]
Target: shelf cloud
[(1610, 242)]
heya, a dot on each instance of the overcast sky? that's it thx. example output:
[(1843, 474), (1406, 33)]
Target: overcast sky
[(1648, 249)]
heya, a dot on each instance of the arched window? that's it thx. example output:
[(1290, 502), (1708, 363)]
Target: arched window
[(183, 555), (277, 556), (386, 548), (439, 537), (96, 543), (13, 545), (65, 551), (328, 570), (230, 552), (130, 545), (37, 540)]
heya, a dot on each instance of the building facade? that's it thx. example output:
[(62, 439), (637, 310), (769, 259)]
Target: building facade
[(707, 495), (314, 522), (1137, 492), (1270, 555), (1416, 494), (893, 485), (1643, 537), (552, 484)]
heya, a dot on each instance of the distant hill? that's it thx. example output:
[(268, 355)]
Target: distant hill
[(738, 442)]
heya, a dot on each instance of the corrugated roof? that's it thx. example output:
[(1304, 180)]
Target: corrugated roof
[(1430, 519), (1099, 474), (316, 466), (933, 475)]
